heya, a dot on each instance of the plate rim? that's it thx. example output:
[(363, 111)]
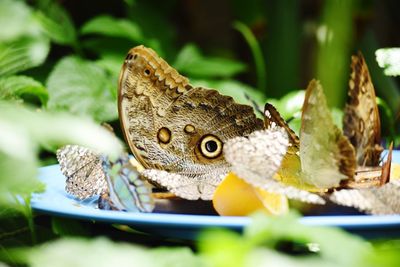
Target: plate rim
[(190, 221)]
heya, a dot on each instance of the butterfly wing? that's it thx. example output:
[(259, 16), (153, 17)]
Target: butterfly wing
[(361, 122), (327, 157), (367, 177), (127, 191), (290, 171), (183, 186), (83, 169), (172, 126), (257, 158), (272, 118), (372, 192), (384, 200)]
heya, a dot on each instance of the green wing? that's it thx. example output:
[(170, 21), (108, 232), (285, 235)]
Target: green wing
[(327, 157), (126, 190)]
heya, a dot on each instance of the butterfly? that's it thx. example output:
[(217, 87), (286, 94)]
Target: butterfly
[(312, 162), (383, 200), (335, 161), (127, 190), (175, 130), (372, 197), (361, 121), (327, 156), (356, 151), (118, 183), (322, 158), (258, 157), (83, 169)]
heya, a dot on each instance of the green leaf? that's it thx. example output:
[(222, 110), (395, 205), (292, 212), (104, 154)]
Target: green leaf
[(387, 254), (56, 23), (154, 18), (14, 87), (389, 60), (83, 88), (333, 245), (190, 62), (284, 241), (130, 2), (13, 228), (113, 27), (52, 128), (176, 257), (104, 46), (111, 62), (22, 54), (291, 104), (223, 248), (18, 163), (235, 89), (256, 52), (101, 252), (68, 227), (24, 130), (86, 253), (15, 18)]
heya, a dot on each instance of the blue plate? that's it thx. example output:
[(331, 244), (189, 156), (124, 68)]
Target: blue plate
[(55, 201)]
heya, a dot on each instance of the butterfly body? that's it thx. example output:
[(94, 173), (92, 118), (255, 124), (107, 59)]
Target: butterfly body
[(175, 127)]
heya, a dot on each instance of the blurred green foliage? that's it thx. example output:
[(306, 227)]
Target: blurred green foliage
[(59, 67), (267, 241)]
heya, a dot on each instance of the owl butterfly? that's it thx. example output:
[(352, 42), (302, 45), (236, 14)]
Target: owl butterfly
[(175, 130), (361, 123), (373, 192), (90, 174)]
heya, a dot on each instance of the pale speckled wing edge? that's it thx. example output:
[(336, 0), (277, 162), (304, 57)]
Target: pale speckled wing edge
[(88, 178), (269, 163)]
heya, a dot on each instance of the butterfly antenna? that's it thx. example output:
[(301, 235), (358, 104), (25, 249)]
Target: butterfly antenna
[(254, 104)]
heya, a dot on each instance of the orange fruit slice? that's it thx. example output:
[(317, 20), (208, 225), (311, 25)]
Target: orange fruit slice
[(235, 197), (395, 171)]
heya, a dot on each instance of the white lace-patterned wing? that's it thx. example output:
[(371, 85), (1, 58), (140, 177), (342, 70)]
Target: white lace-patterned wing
[(326, 155), (384, 200), (181, 185), (83, 170), (258, 157)]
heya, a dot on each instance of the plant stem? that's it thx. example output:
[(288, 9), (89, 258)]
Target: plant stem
[(29, 217), (256, 52), (334, 37)]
